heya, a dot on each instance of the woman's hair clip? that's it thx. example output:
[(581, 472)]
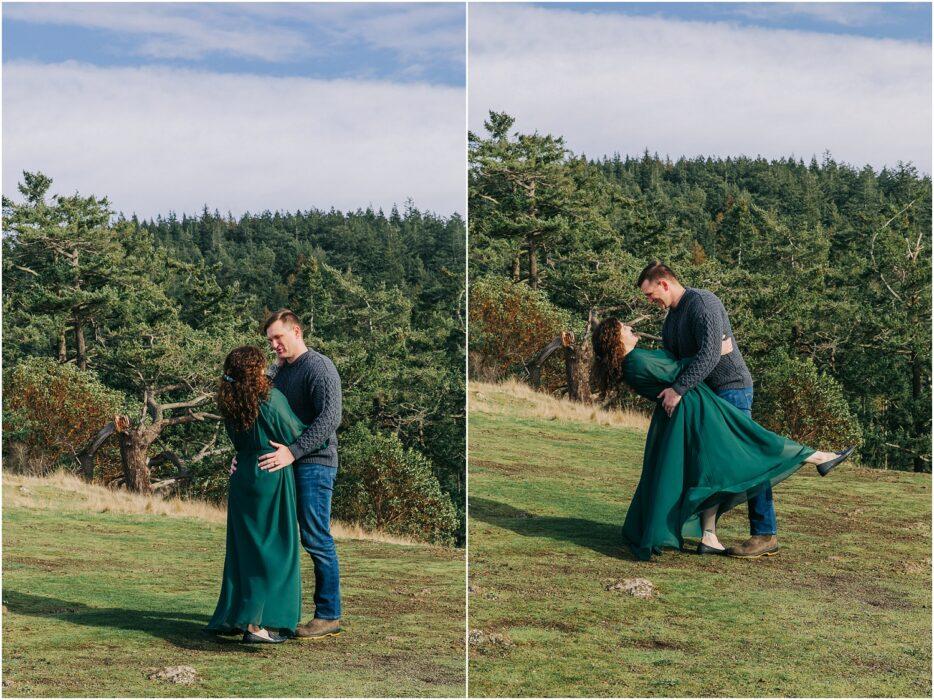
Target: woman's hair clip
[(228, 378)]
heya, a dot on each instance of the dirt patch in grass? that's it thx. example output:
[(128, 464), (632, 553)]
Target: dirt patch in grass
[(854, 587), (513, 469), (660, 644), (485, 464), (560, 626), (59, 564), (921, 566)]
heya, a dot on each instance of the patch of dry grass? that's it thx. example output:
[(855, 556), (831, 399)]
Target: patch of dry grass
[(63, 490), (513, 398)]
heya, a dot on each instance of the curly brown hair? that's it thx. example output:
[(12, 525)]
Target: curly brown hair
[(608, 354), (244, 386)]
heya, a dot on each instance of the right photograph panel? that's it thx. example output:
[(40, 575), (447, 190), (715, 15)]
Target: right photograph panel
[(699, 448)]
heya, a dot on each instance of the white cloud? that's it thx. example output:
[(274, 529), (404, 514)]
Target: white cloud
[(168, 32), (416, 30), (843, 14), (271, 32), (157, 139), (621, 83)]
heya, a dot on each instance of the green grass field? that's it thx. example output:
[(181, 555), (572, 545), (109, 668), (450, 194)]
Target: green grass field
[(96, 601), (844, 609)]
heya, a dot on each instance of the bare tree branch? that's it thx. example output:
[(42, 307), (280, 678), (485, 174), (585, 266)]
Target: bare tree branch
[(186, 404), (191, 417)]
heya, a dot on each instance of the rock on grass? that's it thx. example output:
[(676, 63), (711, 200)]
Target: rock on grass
[(479, 638), (636, 587), (182, 675)]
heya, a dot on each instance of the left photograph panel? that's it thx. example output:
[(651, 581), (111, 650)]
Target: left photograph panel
[(233, 349)]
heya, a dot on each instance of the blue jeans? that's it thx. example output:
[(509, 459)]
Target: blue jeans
[(761, 509), (314, 485)]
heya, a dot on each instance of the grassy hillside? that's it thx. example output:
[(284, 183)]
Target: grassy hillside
[(101, 590), (844, 609)]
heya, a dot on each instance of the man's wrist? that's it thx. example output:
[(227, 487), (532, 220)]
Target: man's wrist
[(679, 389), (296, 451)]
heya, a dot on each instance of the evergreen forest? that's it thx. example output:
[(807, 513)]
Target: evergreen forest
[(115, 329)]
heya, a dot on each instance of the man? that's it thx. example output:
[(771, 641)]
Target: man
[(312, 386), (697, 324)]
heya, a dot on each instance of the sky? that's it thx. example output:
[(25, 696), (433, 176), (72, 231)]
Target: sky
[(238, 107), (687, 79)]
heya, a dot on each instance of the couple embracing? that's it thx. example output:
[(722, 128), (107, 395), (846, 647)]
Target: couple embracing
[(282, 422), (704, 454)]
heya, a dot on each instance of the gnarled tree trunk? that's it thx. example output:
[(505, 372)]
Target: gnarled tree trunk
[(81, 358), (62, 347), (136, 440), (134, 454), (577, 361), (533, 262)]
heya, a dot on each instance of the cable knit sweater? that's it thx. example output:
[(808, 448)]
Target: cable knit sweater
[(313, 388), (696, 326)]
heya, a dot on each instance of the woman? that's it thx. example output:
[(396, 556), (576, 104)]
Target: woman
[(699, 463), (261, 587)]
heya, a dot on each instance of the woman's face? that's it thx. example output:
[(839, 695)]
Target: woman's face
[(628, 338)]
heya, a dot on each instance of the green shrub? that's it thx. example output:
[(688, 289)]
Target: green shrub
[(794, 399), (383, 486), (51, 411), (509, 324)]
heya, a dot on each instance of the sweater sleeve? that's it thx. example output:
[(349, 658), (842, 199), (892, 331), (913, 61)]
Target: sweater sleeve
[(326, 401), (707, 326)]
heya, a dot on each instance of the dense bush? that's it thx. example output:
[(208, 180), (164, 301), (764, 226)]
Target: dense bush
[(509, 324), (794, 399), (384, 486), (51, 411)]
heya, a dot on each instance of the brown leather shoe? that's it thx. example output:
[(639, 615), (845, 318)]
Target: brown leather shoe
[(755, 546), (317, 628)]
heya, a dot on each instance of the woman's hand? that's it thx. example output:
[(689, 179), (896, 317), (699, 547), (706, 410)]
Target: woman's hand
[(726, 346)]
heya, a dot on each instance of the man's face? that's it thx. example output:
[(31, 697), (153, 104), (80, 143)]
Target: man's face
[(284, 339), (658, 292)]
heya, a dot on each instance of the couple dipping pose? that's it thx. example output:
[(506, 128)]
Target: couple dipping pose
[(273, 503), (704, 454)]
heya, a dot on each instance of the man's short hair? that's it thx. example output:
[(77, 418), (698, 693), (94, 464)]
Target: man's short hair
[(284, 315), (655, 271)]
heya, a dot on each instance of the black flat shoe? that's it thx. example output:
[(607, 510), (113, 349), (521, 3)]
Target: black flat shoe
[(251, 638), (824, 467), (705, 549)]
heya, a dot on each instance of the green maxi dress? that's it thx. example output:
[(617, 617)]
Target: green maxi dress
[(708, 453), (262, 584)]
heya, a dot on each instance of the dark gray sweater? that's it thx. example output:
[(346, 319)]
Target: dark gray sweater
[(696, 326), (313, 388)]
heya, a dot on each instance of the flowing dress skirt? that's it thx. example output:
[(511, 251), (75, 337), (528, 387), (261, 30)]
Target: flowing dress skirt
[(708, 453)]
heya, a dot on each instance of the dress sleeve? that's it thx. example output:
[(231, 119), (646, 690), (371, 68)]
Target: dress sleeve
[(282, 423)]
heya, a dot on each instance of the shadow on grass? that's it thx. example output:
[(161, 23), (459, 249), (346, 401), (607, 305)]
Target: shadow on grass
[(181, 629), (600, 537)]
